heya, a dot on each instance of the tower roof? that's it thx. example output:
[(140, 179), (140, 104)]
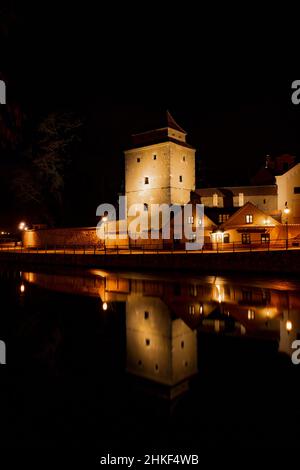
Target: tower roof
[(158, 127), (172, 123)]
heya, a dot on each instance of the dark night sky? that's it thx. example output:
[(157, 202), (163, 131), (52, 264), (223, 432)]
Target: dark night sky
[(118, 74)]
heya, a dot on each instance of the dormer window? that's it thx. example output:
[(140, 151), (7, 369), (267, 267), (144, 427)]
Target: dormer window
[(249, 219), (146, 179), (215, 200)]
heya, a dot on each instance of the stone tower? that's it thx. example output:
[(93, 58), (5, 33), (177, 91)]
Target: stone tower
[(160, 166)]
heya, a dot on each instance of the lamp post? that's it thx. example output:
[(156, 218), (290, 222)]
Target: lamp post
[(286, 212)]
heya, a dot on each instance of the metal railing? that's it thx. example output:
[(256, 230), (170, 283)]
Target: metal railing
[(233, 247)]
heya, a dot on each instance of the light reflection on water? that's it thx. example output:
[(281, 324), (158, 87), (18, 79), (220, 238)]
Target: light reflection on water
[(164, 314), (170, 358)]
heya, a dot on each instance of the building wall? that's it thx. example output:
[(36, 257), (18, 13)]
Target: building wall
[(163, 173), (265, 203), (60, 237), (286, 184)]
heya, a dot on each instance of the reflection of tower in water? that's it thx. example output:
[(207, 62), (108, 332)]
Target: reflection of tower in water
[(160, 348)]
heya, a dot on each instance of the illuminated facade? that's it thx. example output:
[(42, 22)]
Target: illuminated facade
[(160, 167)]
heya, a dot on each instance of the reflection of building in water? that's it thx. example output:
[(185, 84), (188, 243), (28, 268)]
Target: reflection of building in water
[(160, 347), (290, 325), (166, 312)]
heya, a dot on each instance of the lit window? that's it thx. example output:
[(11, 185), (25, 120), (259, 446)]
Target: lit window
[(180, 179), (251, 314), (191, 309), (241, 199), (146, 180), (154, 157), (138, 160), (223, 218), (265, 237), (145, 207), (146, 315), (147, 342), (215, 200), (249, 219), (191, 220)]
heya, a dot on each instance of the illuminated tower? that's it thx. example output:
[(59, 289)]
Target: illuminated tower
[(160, 167)]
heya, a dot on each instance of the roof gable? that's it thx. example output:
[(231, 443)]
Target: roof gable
[(249, 208)]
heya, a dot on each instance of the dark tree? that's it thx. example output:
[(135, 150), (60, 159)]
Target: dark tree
[(40, 179)]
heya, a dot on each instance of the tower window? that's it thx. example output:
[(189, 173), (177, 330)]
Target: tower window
[(147, 342), (146, 180), (297, 190), (154, 157), (182, 344), (183, 159), (138, 160), (180, 179), (146, 315), (249, 219), (146, 207)]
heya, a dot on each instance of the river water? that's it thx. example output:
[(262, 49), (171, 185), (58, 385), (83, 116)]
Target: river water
[(103, 360)]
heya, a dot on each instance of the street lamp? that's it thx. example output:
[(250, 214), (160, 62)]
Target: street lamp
[(286, 212), (23, 226)]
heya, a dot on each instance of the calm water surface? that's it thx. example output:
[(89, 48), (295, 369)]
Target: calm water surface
[(103, 360)]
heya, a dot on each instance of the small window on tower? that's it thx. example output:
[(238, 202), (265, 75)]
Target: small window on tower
[(154, 157), (145, 207), (183, 159), (180, 179), (146, 180), (138, 160)]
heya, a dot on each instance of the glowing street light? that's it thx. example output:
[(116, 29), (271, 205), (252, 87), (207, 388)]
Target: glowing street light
[(289, 326), (22, 288), (23, 226), (104, 306)]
